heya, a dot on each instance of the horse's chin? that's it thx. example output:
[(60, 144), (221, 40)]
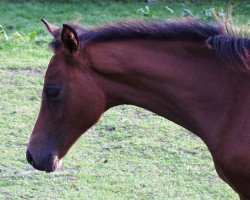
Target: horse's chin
[(53, 164)]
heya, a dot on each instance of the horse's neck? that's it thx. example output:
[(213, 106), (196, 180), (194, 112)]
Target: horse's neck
[(183, 82)]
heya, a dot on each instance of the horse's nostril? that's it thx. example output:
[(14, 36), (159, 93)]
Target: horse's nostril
[(29, 157)]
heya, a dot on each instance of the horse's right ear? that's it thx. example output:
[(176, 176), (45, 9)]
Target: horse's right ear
[(54, 30)]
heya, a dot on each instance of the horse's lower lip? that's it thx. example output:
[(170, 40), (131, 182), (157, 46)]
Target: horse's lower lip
[(52, 164)]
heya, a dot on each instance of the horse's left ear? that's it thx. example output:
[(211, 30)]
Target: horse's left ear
[(69, 39)]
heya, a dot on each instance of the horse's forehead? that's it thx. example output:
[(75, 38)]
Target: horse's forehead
[(56, 61), (56, 67)]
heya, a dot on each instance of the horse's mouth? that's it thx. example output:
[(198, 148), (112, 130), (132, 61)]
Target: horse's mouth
[(50, 165)]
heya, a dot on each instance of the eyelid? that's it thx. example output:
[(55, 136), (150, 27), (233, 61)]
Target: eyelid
[(51, 86)]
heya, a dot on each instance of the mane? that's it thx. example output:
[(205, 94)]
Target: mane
[(231, 49)]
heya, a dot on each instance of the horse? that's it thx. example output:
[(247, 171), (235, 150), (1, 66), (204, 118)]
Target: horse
[(188, 71)]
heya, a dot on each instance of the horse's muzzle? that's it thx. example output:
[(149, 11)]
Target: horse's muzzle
[(49, 164)]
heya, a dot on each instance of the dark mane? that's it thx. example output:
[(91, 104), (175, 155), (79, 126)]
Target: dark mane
[(189, 30), (231, 49)]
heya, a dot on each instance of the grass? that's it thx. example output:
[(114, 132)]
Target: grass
[(131, 153)]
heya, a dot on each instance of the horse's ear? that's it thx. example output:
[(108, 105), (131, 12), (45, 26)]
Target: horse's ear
[(54, 30), (69, 39)]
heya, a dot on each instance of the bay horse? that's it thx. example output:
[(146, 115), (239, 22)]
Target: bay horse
[(190, 72)]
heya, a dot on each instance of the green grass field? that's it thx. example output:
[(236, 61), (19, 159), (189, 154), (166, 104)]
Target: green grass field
[(131, 153)]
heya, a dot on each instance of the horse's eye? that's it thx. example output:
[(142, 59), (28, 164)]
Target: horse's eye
[(52, 92)]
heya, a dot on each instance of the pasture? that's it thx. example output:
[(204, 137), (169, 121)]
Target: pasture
[(131, 153)]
